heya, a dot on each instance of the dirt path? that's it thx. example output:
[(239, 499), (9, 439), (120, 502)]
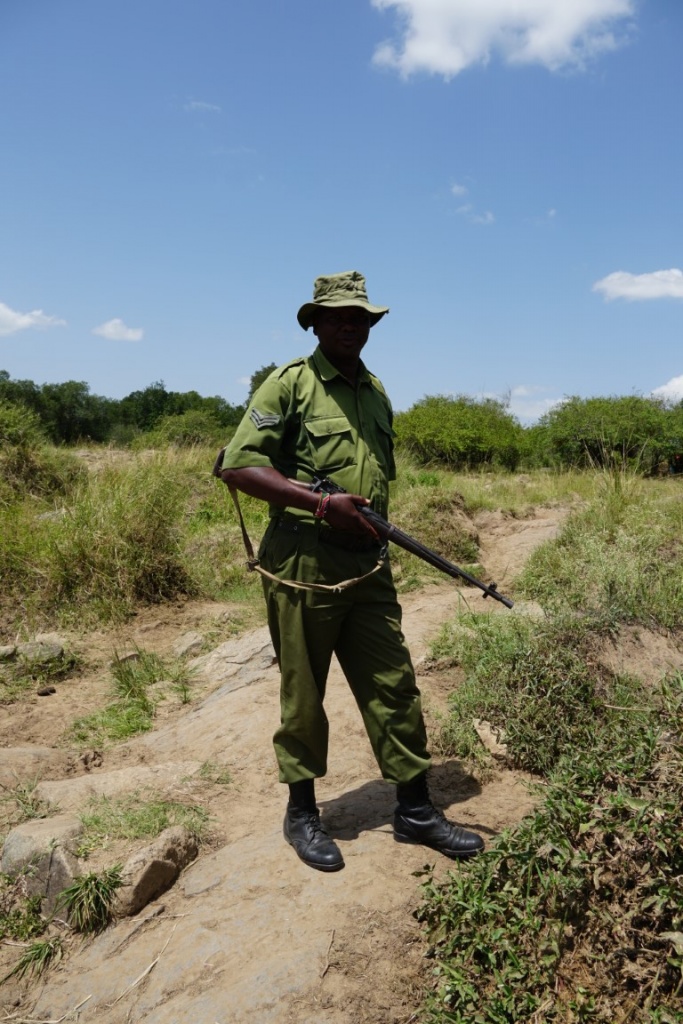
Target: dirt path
[(248, 933)]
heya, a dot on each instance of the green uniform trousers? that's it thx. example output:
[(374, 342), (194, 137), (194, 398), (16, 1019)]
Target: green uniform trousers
[(362, 626)]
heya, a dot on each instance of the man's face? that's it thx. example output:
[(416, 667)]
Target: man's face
[(342, 332)]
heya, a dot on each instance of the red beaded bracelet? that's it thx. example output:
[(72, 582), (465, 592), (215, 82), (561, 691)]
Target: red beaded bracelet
[(323, 505)]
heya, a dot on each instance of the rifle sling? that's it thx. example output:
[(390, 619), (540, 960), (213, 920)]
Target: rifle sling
[(254, 566)]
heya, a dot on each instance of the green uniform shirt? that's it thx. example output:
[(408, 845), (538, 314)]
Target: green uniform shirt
[(306, 419)]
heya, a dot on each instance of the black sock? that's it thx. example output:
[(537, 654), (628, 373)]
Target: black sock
[(302, 795), (414, 793)]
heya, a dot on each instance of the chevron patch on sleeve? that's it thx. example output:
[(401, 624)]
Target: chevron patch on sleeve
[(262, 420)]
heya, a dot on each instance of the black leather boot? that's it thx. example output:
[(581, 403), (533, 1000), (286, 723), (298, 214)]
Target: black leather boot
[(416, 820), (304, 831)]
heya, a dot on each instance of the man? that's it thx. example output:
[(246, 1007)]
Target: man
[(326, 415)]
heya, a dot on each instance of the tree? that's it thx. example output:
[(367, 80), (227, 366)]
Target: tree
[(258, 378)]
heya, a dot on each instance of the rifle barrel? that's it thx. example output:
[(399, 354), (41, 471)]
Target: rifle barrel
[(389, 532)]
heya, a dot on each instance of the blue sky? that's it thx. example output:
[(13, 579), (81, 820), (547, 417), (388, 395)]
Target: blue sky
[(506, 173)]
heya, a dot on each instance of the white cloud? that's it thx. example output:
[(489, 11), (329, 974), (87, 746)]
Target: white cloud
[(469, 213), (672, 391), (446, 36), (527, 403), (199, 105), (660, 284), (11, 321), (116, 330), (458, 190)]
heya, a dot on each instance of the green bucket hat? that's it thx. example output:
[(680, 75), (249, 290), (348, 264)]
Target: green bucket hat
[(347, 289)]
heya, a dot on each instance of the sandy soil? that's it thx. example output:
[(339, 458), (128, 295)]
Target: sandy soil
[(248, 933)]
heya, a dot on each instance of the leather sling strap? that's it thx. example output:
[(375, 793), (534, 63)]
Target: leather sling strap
[(254, 566)]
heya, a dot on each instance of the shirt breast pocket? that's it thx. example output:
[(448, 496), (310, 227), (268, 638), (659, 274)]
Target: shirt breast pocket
[(331, 443)]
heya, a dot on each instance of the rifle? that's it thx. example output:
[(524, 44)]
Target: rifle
[(389, 532)]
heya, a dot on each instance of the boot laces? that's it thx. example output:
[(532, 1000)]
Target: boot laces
[(314, 823)]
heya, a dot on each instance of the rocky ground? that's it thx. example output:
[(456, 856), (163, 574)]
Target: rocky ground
[(247, 932)]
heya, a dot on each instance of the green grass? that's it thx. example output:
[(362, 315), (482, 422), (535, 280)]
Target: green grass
[(19, 803), (213, 771), (619, 557), (36, 958), (90, 900), (137, 691), (146, 529), (136, 817), (576, 914), (535, 681)]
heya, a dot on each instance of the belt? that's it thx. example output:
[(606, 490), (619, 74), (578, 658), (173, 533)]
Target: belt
[(326, 535)]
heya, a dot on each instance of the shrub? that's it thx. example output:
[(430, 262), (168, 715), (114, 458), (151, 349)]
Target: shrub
[(460, 432), (186, 430), (611, 432), (28, 465)]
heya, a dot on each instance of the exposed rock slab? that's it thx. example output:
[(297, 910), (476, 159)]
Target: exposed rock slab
[(73, 794), (239, 661), (45, 851)]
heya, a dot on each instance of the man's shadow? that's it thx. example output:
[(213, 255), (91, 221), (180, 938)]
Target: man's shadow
[(371, 806)]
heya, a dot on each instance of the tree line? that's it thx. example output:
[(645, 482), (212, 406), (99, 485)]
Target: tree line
[(69, 413), (644, 434), (459, 432)]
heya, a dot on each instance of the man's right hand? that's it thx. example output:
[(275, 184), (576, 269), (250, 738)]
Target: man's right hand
[(343, 514)]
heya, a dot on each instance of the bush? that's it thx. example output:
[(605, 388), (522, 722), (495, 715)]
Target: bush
[(460, 432), (28, 465), (195, 427), (619, 432)]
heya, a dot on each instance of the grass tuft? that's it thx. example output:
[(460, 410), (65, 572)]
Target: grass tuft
[(135, 686), (133, 817), (89, 901), (36, 958)]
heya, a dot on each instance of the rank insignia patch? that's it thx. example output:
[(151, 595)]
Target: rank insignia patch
[(261, 420)]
